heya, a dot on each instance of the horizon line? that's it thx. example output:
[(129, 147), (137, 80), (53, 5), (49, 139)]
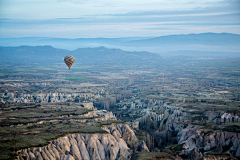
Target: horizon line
[(120, 37)]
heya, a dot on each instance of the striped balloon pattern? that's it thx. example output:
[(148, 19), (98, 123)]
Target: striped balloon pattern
[(69, 60)]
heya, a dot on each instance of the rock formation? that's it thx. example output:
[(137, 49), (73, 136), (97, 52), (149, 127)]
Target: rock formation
[(143, 147), (195, 137), (44, 97), (86, 146), (122, 131)]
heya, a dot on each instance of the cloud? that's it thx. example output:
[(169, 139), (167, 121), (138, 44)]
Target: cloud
[(74, 1), (122, 18), (45, 9)]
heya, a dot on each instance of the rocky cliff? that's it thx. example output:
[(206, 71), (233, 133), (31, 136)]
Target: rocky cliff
[(115, 145), (44, 97), (221, 117), (122, 131), (198, 141), (201, 141)]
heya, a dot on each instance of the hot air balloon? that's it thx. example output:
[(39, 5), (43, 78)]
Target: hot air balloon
[(69, 60)]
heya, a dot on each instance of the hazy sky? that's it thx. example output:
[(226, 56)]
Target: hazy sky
[(116, 18)]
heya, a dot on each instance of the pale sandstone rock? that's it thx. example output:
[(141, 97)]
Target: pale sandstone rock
[(65, 146), (101, 151), (112, 153), (215, 140), (36, 153), (87, 146), (59, 149), (238, 152), (25, 154), (235, 142), (78, 138), (190, 143), (72, 140), (92, 149), (93, 153), (125, 131), (105, 141), (70, 157), (120, 155), (123, 146), (228, 142), (39, 157), (31, 155), (207, 147), (116, 134), (186, 133), (67, 157), (75, 151), (44, 156), (91, 143), (83, 149), (212, 140), (66, 143), (50, 150), (222, 139), (55, 152), (143, 147), (115, 148), (48, 154)]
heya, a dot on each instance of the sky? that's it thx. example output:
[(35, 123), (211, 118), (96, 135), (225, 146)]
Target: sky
[(116, 18)]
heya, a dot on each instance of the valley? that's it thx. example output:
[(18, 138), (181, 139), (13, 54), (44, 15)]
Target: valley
[(177, 108)]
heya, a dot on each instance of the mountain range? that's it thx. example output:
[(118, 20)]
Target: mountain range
[(202, 39), (223, 44), (50, 55)]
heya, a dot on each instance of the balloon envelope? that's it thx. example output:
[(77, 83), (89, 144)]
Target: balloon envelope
[(69, 60)]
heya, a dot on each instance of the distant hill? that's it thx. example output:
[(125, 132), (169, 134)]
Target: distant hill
[(105, 55), (29, 54), (67, 43), (203, 39), (226, 43), (49, 55)]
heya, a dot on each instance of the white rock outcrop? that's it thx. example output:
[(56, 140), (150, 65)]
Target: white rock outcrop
[(45, 97), (122, 131), (195, 137), (110, 146)]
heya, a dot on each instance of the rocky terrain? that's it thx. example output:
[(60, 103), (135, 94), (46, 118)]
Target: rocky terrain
[(118, 144), (12, 97), (197, 140), (175, 109)]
